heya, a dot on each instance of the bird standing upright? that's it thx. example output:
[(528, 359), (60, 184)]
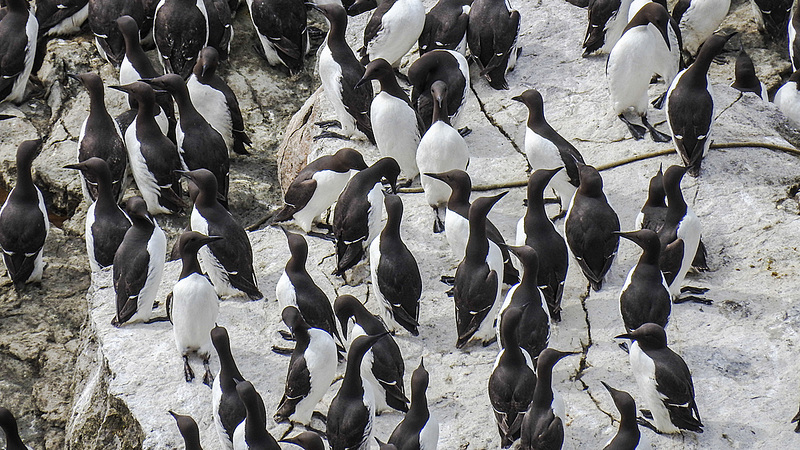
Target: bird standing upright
[(229, 264), (690, 106), (395, 274), (442, 148), (23, 221), (645, 296), (226, 406), (419, 429), (138, 265), (194, 307), (476, 290), (101, 137), (512, 382), (664, 381), (546, 149), (180, 30), (536, 230), (106, 223), (359, 211), (352, 411), (628, 436), (446, 27), (393, 28), (591, 227), (282, 32), (492, 36), (19, 31)]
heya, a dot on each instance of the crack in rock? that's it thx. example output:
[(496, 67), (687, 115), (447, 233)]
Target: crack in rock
[(494, 123), (583, 364)]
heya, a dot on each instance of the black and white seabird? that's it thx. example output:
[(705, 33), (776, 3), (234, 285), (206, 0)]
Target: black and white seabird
[(456, 222), (228, 263), (199, 144), (61, 17), (446, 27), (106, 223), (307, 440), (216, 102), (220, 26), (654, 214), (138, 265), (226, 406), (591, 227), (382, 368), (513, 380), (395, 123), (352, 410), (19, 31), (746, 78), (628, 436), (445, 65), (339, 72), (664, 381), (282, 31), (698, 19), (189, 431), (311, 369), (536, 230), (532, 331), (195, 305), (543, 425), (690, 106), (180, 30), (297, 288), (794, 31), (359, 211), (101, 137), (645, 296), (419, 429), (642, 51), (772, 17), (441, 149), (9, 426), (23, 221), (392, 30), (103, 15), (395, 273), (546, 149), (318, 185), (135, 66), (153, 158), (477, 288), (492, 38), (680, 235), (252, 433), (607, 19), (788, 98)]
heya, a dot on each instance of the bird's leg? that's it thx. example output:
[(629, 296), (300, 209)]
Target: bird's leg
[(693, 290), (328, 124), (464, 132), (330, 134), (643, 422), (208, 377), (187, 369), (624, 347), (448, 280), (646, 413), (438, 223), (693, 299), (157, 319), (655, 134), (288, 430), (658, 103), (282, 350), (287, 336), (491, 340), (451, 292), (637, 131), (324, 236), (551, 200), (320, 416), (561, 214)]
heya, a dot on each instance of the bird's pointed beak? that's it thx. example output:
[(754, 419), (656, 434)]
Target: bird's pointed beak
[(73, 166), (361, 82), (518, 98), (624, 336), (120, 88), (74, 77)]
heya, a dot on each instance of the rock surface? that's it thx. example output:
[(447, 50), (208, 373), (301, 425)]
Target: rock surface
[(741, 349)]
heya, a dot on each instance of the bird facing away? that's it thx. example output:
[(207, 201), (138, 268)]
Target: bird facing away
[(590, 228)]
